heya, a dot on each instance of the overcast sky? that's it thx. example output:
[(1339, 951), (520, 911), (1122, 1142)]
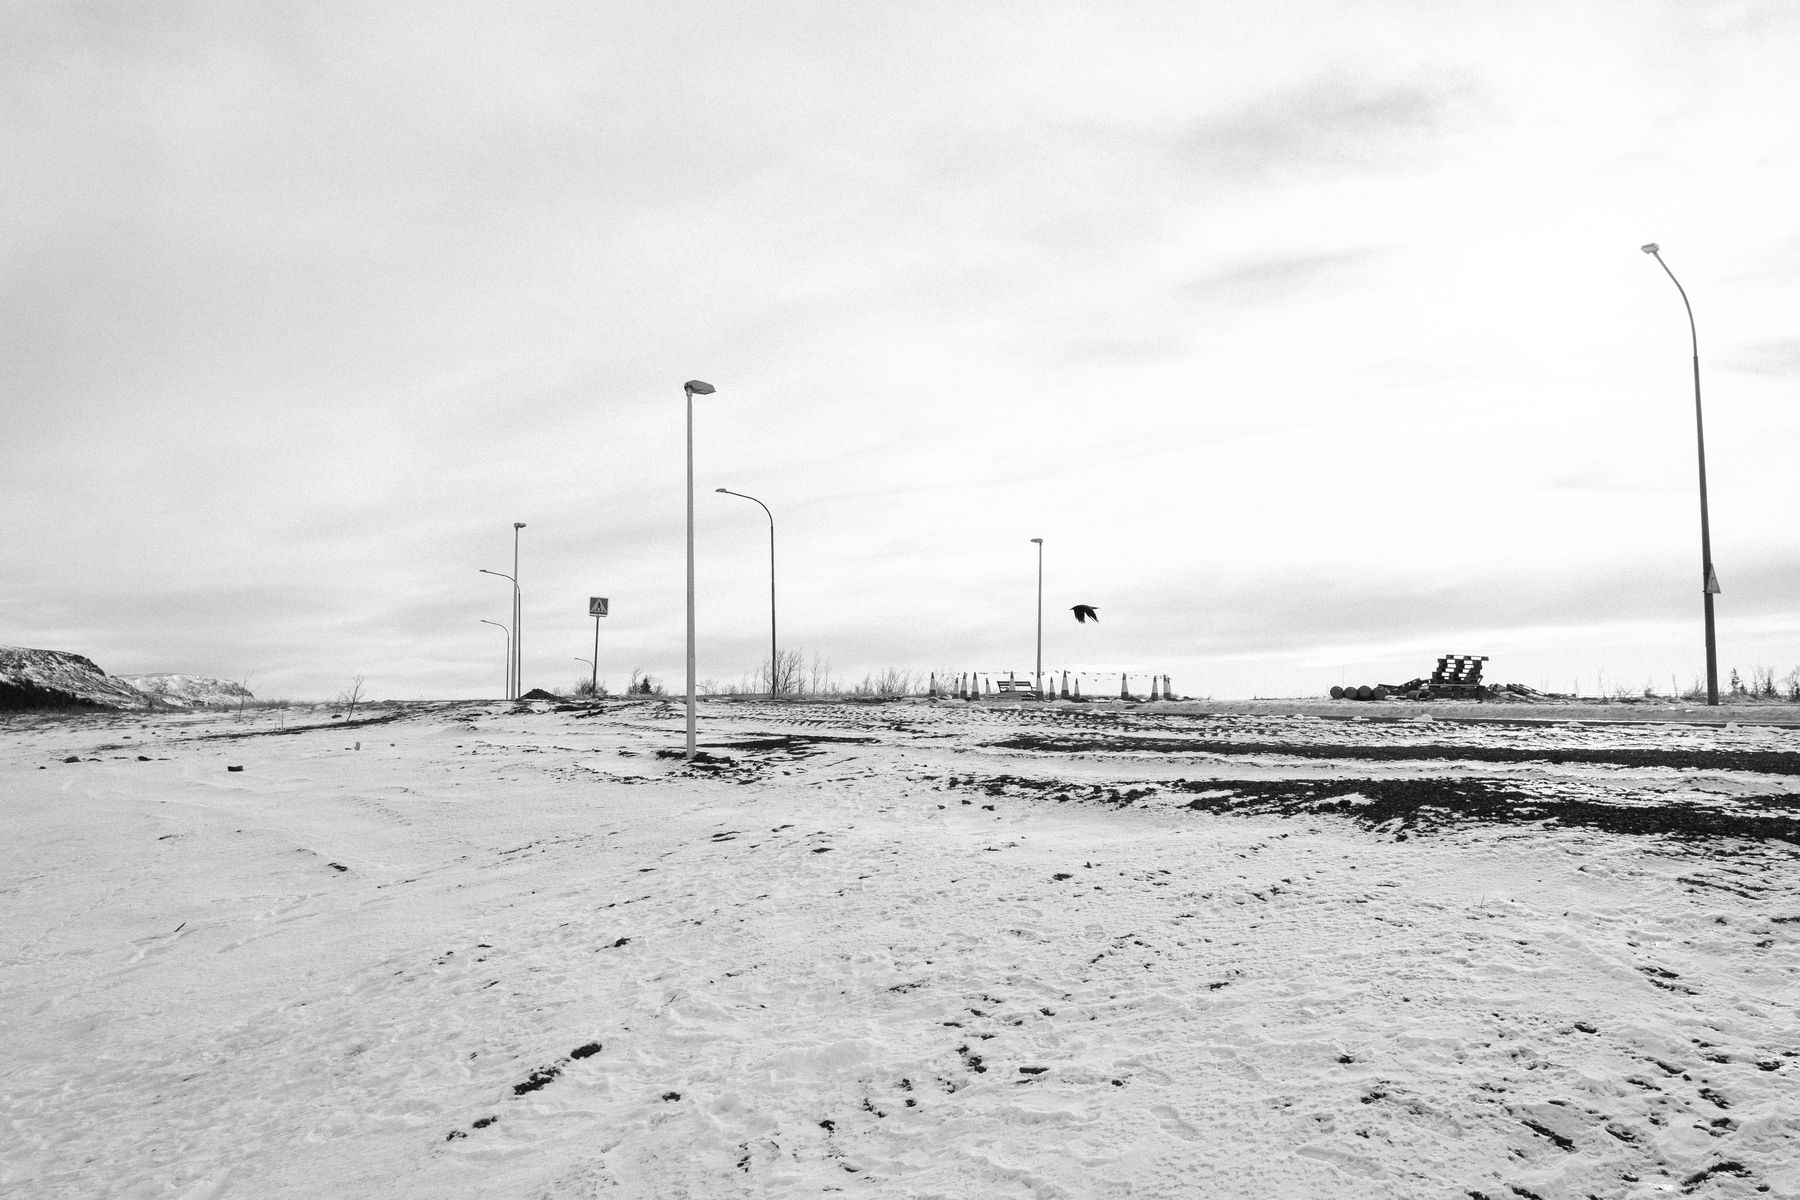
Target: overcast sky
[(1313, 338)]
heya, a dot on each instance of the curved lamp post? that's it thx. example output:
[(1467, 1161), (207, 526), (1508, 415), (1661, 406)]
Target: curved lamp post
[(693, 387), (1038, 682), (512, 637), (518, 618), (1709, 582), (503, 629), (774, 661)]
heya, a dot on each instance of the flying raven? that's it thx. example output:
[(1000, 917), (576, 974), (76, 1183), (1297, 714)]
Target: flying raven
[(1083, 612)]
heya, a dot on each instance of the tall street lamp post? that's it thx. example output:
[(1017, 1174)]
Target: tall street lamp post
[(512, 638), (693, 387), (507, 686), (774, 659), (1709, 582), (1039, 684), (518, 618)]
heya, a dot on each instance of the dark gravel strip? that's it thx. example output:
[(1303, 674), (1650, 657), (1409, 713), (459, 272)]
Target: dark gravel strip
[(1763, 762), (289, 731), (1429, 804)]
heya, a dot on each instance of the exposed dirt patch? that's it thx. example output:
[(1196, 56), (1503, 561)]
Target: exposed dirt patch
[(1439, 803), (796, 744), (1765, 762)]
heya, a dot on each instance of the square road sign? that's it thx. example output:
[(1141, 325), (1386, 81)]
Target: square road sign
[(596, 606)]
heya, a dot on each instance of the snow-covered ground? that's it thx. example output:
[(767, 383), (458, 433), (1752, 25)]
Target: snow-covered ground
[(895, 950)]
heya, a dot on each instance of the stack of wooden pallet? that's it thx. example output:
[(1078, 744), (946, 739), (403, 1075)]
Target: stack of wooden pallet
[(1458, 676)]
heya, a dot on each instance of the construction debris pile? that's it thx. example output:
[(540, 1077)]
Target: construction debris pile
[(1457, 677)]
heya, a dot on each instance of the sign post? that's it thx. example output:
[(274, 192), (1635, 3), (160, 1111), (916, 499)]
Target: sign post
[(596, 609)]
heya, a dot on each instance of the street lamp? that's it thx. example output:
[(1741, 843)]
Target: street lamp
[(1709, 586), (692, 387), (774, 660), (1039, 684), (512, 658), (503, 629), (518, 618)]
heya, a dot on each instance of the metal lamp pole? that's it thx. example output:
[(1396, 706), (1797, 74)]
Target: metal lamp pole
[(774, 659), (1039, 684), (1709, 582), (518, 618), (508, 633), (512, 637), (692, 387)]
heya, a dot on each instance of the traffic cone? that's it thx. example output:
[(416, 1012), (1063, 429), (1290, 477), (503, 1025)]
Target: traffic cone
[(932, 690), (1077, 695), (1065, 686), (1124, 686), (1154, 680)]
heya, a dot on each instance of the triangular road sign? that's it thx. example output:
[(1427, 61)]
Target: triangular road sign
[(1712, 581)]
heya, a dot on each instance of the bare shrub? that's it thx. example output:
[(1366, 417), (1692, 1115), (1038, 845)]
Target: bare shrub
[(890, 682), (818, 677), (790, 672), (351, 696)]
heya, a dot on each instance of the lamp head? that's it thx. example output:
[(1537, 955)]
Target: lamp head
[(518, 524), (1650, 248), (1039, 541), (697, 387)]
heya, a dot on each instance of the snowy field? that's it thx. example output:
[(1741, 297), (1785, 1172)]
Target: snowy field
[(896, 950)]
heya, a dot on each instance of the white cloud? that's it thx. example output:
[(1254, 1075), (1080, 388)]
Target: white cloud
[(303, 305)]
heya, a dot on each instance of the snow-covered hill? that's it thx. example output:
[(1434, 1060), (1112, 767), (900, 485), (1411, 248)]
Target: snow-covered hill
[(57, 679), (189, 691)]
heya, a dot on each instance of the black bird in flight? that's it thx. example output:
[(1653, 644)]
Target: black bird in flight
[(1085, 611)]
